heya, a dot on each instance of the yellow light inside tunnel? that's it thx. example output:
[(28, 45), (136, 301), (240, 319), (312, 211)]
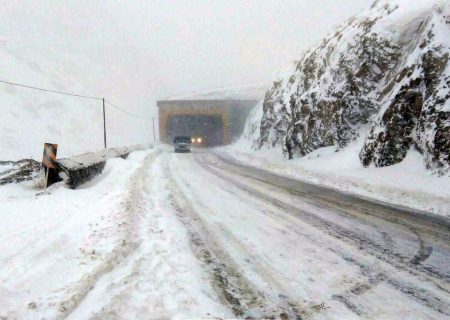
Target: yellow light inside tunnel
[(199, 140)]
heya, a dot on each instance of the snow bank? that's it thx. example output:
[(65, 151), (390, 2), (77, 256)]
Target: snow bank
[(54, 245)]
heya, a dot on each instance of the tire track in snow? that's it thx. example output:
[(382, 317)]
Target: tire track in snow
[(161, 279), (397, 260), (370, 218), (433, 226), (332, 227), (364, 216), (76, 292), (373, 277), (231, 286), (424, 251)]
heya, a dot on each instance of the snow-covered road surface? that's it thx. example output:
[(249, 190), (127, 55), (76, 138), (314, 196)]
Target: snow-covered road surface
[(199, 236)]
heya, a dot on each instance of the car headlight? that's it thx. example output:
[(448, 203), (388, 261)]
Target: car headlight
[(199, 140), (193, 140)]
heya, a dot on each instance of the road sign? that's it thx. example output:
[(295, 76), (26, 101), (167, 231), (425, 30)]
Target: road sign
[(49, 158)]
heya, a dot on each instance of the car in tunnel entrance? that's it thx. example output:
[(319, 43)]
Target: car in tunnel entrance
[(215, 122), (197, 140), (182, 144), (204, 130)]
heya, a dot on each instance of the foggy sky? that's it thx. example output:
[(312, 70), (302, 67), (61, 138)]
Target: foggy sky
[(138, 51)]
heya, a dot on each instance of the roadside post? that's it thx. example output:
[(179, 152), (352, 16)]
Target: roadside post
[(104, 122), (49, 162), (154, 136)]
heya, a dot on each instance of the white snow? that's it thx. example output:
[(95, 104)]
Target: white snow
[(408, 17), (161, 279), (56, 244), (30, 118), (252, 92), (116, 248), (121, 247), (407, 184), (6, 167)]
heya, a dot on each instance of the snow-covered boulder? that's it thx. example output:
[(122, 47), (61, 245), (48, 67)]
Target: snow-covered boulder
[(383, 75)]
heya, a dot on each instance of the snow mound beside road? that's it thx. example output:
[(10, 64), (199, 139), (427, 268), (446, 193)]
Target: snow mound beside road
[(54, 245)]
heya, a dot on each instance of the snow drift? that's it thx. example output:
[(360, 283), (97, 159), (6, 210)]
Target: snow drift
[(384, 77)]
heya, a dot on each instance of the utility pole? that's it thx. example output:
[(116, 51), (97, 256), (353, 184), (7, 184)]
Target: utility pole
[(104, 122), (154, 137)]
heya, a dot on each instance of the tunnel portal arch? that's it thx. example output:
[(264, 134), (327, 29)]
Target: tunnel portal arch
[(165, 117), (232, 115)]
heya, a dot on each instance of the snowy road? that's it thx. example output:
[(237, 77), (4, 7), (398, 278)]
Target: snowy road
[(390, 249), (212, 238), (268, 246)]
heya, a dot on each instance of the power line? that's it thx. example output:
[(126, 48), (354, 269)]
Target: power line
[(86, 97), (124, 111), (48, 90), (74, 95)]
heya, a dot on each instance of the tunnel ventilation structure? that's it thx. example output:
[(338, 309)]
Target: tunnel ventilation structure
[(216, 122)]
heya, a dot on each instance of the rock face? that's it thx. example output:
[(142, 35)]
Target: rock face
[(384, 77), (417, 111)]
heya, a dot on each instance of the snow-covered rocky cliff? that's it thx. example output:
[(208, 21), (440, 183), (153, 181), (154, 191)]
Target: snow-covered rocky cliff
[(383, 77)]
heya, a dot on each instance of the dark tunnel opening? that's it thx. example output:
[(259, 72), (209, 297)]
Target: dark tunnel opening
[(209, 128)]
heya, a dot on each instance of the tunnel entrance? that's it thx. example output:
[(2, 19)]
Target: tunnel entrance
[(209, 128), (215, 122)]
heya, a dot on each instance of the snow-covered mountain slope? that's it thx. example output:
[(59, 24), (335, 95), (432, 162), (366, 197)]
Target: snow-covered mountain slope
[(31, 117), (383, 76)]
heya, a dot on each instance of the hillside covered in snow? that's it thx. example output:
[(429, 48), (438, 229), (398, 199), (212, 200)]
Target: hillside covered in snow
[(381, 82), (31, 117)]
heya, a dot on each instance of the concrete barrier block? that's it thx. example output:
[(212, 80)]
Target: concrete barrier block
[(82, 168)]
